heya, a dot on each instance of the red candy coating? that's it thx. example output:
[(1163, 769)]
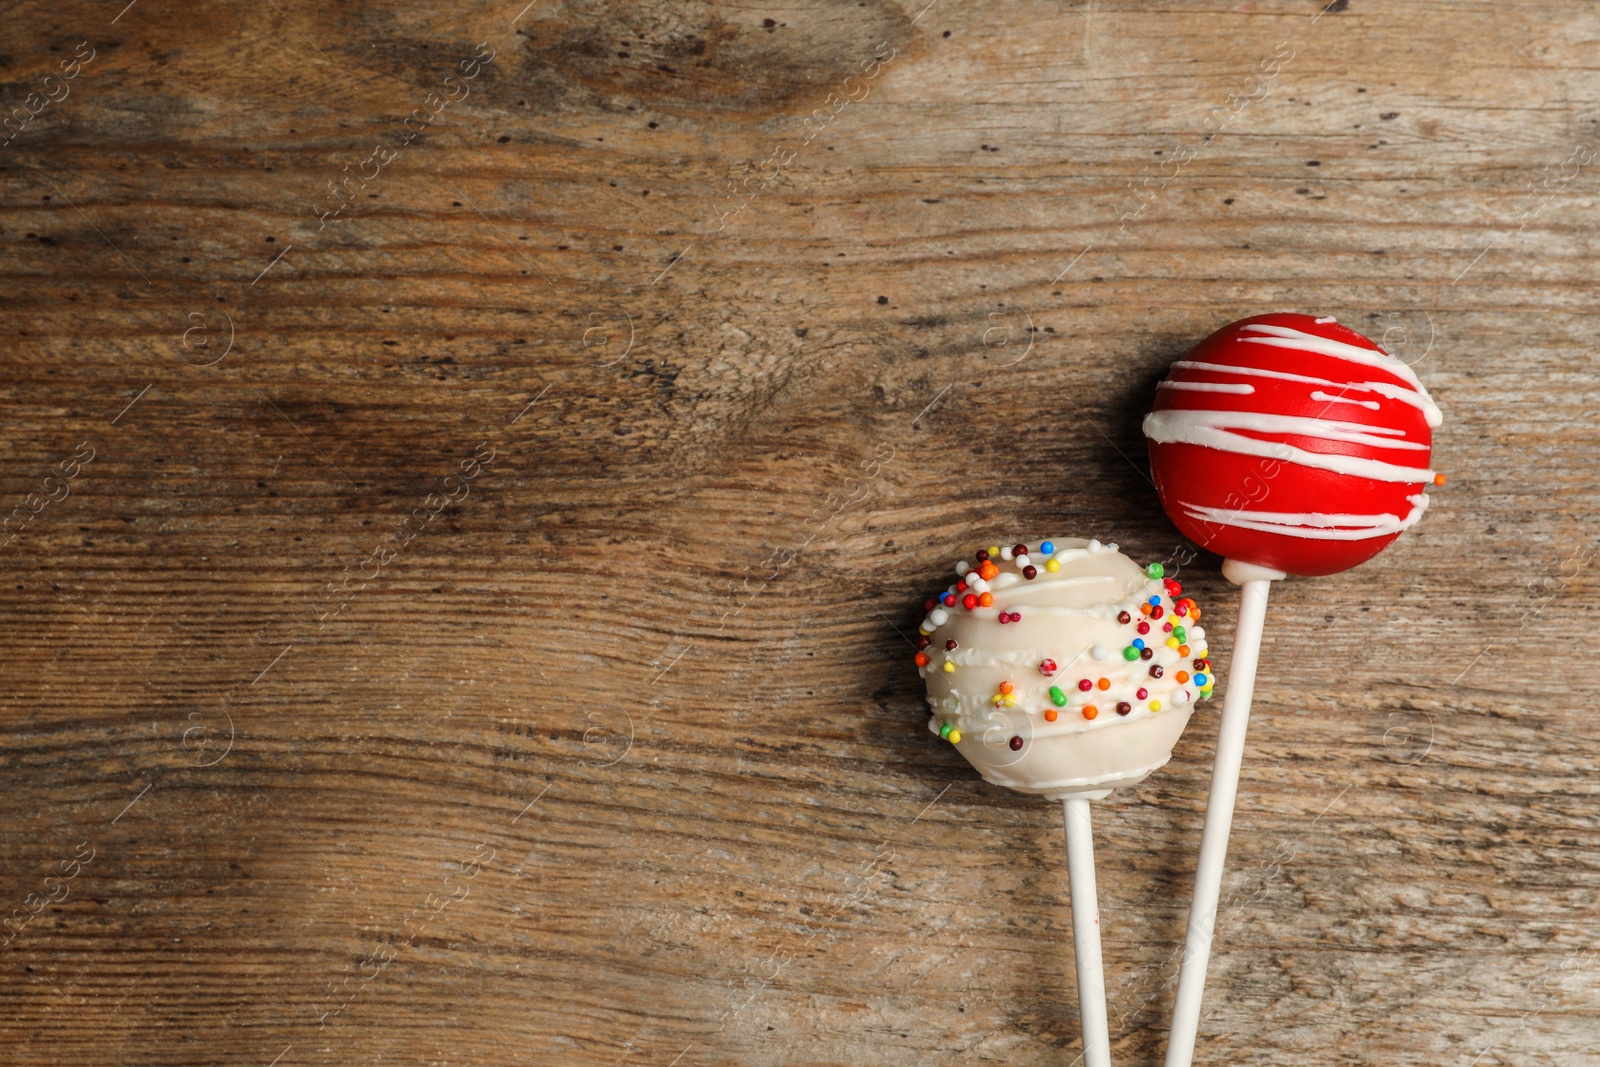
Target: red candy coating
[(1292, 442)]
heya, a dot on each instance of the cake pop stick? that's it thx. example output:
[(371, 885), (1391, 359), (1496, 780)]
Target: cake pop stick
[(1287, 444), (1086, 933), (1255, 583), (1065, 673)]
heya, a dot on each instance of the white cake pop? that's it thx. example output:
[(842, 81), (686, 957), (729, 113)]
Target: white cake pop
[(1065, 670)]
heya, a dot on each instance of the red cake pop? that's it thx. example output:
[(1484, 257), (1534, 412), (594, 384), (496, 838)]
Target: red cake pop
[(1285, 443), (1293, 443)]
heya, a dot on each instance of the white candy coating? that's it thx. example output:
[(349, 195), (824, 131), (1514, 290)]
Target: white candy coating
[(1069, 616)]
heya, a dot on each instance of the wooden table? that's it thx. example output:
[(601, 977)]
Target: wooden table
[(470, 470)]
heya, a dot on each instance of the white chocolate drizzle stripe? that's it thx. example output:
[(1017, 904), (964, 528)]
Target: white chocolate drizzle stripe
[(1242, 388), (1200, 428), (1420, 401), (1287, 337), (1215, 429), (1355, 433), (1314, 527), (1318, 394)]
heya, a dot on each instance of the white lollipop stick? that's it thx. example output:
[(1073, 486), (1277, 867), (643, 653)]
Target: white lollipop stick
[(1086, 932), (1255, 583)]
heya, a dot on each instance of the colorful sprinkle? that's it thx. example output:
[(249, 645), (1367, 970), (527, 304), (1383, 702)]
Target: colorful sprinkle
[(1124, 618), (1049, 546), (1059, 698), (944, 731), (1052, 565), (1051, 714), (949, 668), (1104, 683), (1123, 707), (955, 737), (969, 601), (1172, 642), (1006, 687), (923, 641), (1155, 705), (1180, 633), (1182, 676), (1085, 684), (1156, 611), (1047, 668), (950, 645), (1019, 550), (988, 571), (1030, 572), (1141, 693), (1138, 642), (1016, 744), (1143, 627), (922, 659), (983, 555), (1202, 680), (1146, 653), (985, 600), (1090, 711), (1130, 653), (1156, 671), (994, 550), (1155, 570), (1183, 650)]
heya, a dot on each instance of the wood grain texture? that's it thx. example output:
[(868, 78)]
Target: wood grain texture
[(765, 314)]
